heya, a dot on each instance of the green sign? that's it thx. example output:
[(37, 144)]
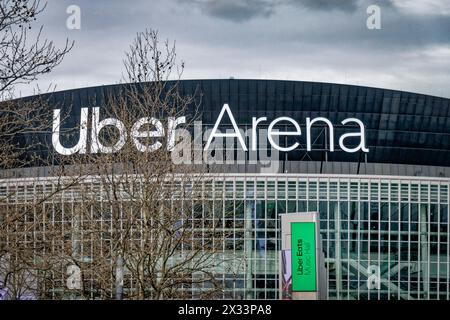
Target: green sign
[(303, 250)]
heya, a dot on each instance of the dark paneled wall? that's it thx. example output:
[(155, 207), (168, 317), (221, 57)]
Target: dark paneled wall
[(401, 127)]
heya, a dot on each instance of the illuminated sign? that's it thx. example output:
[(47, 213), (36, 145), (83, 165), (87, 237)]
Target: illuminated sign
[(153, 128), (303, 259)]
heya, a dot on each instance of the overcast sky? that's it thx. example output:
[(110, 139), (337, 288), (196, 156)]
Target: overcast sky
[(311, 40)]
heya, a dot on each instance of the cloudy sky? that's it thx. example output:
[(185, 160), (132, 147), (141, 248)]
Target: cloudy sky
[(312, 40)]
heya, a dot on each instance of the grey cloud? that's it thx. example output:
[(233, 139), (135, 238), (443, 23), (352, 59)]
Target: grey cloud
[(282, 39), (235, 10), (244, 10), (344, 5)]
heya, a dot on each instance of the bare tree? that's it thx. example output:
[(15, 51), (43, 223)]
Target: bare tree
[(134, 223), (23, 57), (32, 234), (137, 226), (151, 243), (31, 230), (25, 54)]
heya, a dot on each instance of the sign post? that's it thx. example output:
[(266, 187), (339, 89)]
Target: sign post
[(302, 262)]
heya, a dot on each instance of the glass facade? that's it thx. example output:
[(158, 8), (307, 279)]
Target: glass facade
[(393, 228)]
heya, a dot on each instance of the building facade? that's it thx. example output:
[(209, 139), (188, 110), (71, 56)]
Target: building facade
[(383, 205)]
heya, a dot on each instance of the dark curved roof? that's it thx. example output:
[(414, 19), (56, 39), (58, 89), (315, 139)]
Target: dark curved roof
[(402, 127)]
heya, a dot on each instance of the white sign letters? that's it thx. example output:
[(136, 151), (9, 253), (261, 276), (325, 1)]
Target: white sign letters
[(159, 131)]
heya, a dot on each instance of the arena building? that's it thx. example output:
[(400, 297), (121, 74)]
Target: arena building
[(374, 163)]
